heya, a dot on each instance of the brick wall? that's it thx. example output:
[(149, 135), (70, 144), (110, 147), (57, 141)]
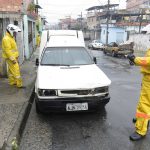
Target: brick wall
[(13, 5), (10, 5)]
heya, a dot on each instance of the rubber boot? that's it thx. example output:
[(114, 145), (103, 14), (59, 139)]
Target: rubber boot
[(134, 120), (135, 136)]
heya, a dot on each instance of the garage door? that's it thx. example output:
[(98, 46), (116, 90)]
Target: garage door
[(119, 37)]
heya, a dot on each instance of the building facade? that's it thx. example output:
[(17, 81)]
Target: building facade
[(115, 34), (135, 5), (121, 22), (23, 14)]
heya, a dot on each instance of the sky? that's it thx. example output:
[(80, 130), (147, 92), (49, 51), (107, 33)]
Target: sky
[(54, 10)]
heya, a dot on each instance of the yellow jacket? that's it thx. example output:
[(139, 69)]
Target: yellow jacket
[(144, 62), (9, 47), (38, 40)]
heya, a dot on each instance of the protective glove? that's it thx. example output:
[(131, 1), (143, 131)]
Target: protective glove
[(131, 58), (14, 61)]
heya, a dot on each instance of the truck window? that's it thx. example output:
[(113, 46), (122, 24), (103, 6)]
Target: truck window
[(66, 56)]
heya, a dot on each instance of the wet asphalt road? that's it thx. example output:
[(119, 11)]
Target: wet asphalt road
[(109, 129)]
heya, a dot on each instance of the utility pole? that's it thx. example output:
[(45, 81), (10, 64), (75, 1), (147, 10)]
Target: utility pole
[(99, 26), (107, 33), (37, 8), (81, 21), (141, 19)]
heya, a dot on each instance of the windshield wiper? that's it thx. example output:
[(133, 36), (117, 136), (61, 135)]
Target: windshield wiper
[(50, 64), (65, 65)]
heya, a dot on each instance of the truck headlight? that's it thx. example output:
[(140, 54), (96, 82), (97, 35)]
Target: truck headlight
[(46, 92), (100, 90)]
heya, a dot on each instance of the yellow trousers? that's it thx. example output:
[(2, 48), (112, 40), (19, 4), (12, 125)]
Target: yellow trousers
[(143, 107), (38, 41), (14, 73)]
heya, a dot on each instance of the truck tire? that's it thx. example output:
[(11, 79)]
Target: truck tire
[(92, 48), (38, 111), (104, 51), (113, 54)]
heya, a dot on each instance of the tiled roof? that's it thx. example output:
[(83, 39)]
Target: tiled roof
[(10, 5)]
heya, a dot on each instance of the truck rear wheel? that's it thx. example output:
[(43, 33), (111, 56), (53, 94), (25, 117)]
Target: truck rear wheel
[(113, 54), (104, 51)]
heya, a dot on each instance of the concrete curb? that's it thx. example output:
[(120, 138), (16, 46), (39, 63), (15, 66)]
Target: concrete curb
[(20, 123)]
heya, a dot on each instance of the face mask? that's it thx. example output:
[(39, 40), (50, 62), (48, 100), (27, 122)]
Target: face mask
[(14, 34)]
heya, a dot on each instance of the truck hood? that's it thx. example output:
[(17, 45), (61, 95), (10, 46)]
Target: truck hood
[(73, 77)]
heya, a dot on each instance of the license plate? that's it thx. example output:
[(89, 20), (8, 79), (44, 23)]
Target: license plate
[(76, 106)]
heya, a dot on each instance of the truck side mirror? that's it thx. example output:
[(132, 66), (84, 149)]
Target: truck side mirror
[(95, 60), (37, 62)]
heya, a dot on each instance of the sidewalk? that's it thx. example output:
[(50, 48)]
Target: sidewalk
[(14, 103)]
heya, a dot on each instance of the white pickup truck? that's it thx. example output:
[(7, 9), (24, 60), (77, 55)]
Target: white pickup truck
[(68, 78)]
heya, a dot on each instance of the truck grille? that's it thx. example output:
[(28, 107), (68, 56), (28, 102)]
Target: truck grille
[(77, 92)]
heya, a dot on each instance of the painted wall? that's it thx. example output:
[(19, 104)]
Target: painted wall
[(91, 22), (29, 47), (19, 37), (116, 34), (26, 40), (31, 28), (133, 29), (135, 4), (20, 42), (141, 42)]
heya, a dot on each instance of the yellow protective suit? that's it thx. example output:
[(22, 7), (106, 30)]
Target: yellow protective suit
[(11, 54), (38, 40), (143, 107)]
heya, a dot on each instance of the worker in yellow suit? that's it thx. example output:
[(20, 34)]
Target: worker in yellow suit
[(11, 54), (143, 107), (38, 40)]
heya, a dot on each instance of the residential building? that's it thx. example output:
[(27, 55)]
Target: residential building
[(73, 24), (10, 13), (115, 34), (97, 20), (136, 5), (120, 22), (140, 7), (67, 23), (22, 13), (98, 14)]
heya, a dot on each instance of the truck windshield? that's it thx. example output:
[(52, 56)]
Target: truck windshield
[(64, 56)]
